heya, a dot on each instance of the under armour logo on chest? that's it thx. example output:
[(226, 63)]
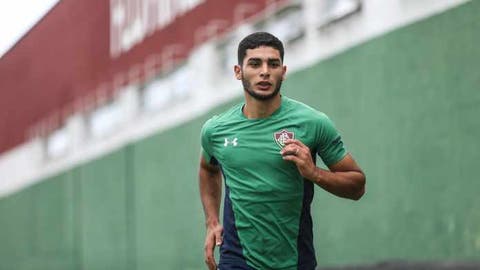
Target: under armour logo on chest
[(233, 142)]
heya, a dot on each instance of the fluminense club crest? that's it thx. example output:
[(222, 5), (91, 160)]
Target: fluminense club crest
[(283, 135)]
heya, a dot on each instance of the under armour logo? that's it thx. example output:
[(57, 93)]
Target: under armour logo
[(227, 142)]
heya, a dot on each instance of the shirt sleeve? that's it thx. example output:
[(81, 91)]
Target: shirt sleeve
[(330, 145), (206, 146)]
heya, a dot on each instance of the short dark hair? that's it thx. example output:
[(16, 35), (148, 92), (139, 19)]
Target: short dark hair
[(256, 40)]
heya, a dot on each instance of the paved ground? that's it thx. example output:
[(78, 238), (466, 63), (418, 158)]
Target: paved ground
[(401, 265)]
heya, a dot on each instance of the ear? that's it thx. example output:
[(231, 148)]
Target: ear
[(284, 73), (238, 72)]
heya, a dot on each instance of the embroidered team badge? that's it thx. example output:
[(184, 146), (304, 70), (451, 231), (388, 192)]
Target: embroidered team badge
[(281, 136)]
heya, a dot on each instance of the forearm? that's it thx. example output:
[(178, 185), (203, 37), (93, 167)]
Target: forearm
[(348, 184), (210, 192), (210, 183)]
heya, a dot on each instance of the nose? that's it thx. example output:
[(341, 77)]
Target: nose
[(265, 72)]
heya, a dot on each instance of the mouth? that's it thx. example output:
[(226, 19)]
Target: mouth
[(264, 85)]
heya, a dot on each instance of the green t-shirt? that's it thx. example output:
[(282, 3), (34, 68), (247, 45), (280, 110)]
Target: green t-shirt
[(267, 222)]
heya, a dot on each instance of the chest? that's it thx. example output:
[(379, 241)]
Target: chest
[(258, 145)]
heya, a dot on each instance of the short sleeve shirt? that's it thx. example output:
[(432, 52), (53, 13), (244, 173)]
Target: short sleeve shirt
[(267, 222)]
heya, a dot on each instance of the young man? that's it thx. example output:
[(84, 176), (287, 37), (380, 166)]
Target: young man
[(265, 149)]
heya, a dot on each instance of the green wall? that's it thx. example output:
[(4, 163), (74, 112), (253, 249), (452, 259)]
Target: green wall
[(407, 105)]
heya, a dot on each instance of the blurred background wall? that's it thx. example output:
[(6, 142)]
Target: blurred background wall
[(102, 103)]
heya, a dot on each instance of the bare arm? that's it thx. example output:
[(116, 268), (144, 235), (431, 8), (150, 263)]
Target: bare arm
[(210, 182), (345, 178)]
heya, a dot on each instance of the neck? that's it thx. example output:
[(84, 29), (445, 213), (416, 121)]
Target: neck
[(260, 108)]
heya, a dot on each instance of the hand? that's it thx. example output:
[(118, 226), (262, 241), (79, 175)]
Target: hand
[(299, 153), (213, 238)]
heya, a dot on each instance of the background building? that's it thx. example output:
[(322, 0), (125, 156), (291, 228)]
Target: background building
[(102, 103)]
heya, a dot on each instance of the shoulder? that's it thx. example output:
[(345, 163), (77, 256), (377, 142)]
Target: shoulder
[(219, 119), (304, 111), (316, 121)]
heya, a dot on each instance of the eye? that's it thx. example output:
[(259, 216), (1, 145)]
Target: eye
[(254, 64), (274, 64)]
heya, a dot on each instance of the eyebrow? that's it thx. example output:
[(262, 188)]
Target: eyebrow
[(260, 59)]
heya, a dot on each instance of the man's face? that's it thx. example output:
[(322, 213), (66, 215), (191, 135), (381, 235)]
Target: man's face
[(261, 73)]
